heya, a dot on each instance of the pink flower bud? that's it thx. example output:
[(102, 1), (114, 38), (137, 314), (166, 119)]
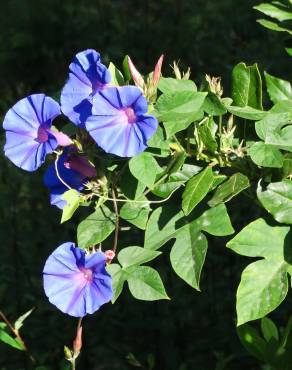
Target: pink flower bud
[(157, 70), (137, 77), (62, 139), (77, 343), (110, 255)]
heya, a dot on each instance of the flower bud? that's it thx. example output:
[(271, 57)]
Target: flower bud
[(77, 343), (110, 255), (157, 70), (62, 139), (137, 77)]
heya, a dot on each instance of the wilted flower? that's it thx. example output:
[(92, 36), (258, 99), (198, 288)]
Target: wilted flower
[(75, 282), (119, 123), (73, 169), (29, 137), (87, 76)]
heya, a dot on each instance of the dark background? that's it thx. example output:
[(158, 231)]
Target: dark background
[(38, 38)]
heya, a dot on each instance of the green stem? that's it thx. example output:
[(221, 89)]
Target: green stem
[(117, 221), (18, 336), (220, 133)]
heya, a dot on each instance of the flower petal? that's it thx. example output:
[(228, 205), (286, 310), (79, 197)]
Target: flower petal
[(22, 123), (66, 285), (87, 76), (98, 292)]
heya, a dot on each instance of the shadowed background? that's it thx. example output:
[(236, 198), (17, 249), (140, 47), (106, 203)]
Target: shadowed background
[(38, 38)]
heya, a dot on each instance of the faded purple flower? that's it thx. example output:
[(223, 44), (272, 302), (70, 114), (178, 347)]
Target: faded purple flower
[(87, 76), (29, 137), (119, 123), (75, 282), (73, 169)]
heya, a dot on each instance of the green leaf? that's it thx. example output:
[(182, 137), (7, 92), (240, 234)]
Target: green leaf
[(213, 105), (206, 132), (215, 221), (247, 86), (273, 26), (262, 288), (171, 85), (130, 256), (253, 343), (72, 198), (282, 106), (229, 189), (165, 222), (289, 51), (172, 127), (264, 283), (145, 168), (269, 329), (247, 112), (117, 76), (126, 69), (276, 129), (266, 155), (274, 11), (179, 106), (188, 254), (196, 189), (158, 140), (162, 226), (278, 89), (175, 180), (276, 198), (146, 284), (96, 227), (12, 342), (19, 322), (136, 213), (131, 187), (118, 279)]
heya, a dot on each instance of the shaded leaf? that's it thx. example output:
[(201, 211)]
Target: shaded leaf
[(229, 189), (136, 213), (96, 227), (145, 168), (188, 254), (251, 340), (118, 279), (196, 189), (269, 329)]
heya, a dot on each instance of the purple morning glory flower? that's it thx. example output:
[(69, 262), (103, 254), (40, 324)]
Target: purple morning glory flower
[(75, 282), (29, 137), (73, 169), (119, 123), (87, 76)]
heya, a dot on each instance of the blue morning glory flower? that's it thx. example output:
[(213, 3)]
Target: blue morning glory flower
[(73, 169), (119, 123), (29, 137), (75, 282), (87, 76)]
